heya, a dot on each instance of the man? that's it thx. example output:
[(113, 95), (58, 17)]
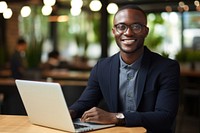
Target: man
[(18, 61), (140, 88)]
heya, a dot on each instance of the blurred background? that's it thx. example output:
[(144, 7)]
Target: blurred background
[(65, 38)]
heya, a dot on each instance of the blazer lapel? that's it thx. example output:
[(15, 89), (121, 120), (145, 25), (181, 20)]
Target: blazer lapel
[(114, 80), (142, 75)]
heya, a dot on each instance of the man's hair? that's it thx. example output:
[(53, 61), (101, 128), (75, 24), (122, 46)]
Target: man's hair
[(132, 6), (53, 54), (21, 41)]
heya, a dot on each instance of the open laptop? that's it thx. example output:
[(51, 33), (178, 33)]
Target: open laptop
[(46, 106)]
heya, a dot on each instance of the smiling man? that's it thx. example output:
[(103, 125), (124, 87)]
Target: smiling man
[(140, 88)]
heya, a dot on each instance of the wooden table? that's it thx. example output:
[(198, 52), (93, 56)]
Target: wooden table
[(21, 124)]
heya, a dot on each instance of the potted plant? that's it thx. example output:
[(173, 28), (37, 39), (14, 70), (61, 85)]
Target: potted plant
[(182, 58)]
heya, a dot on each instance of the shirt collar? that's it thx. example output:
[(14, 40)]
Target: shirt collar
[(135, 65)]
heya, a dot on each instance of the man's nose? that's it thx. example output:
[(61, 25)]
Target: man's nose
[(129, 31)]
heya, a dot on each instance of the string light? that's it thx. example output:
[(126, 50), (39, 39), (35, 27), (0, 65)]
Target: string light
[(25, 11), (7, 14), (76, 6), (95, 5), (3, 6), (75, 11), (112, 8), (46, 10), (49, 2), (76, 3)]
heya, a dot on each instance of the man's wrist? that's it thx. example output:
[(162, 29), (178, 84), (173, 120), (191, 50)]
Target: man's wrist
[(120, 119)]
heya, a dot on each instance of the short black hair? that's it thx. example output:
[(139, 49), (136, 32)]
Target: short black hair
[(21, 41), (53, 54), (132, 6)]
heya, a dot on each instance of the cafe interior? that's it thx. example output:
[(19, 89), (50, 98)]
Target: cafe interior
[(78, 33)]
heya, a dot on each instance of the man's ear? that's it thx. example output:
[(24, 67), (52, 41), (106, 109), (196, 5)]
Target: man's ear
[(146, 31), (113, 30)]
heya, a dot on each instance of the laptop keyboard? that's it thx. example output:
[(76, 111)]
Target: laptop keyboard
[(77, 126)]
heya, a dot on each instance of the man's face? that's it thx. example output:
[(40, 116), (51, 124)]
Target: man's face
[(129, 41), (22, 47)]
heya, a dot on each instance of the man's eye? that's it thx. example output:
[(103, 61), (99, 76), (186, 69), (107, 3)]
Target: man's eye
[(136, 26), (121, 27)]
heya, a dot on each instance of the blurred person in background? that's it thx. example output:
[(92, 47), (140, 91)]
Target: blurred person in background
[(18, 60), (54, 61)]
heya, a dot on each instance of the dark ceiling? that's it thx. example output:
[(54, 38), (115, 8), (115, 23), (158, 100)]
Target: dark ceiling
[(147, 5), (118, 1), (156, 5)]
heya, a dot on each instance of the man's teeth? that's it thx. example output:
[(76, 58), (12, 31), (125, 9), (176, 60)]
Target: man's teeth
[(129, 41)]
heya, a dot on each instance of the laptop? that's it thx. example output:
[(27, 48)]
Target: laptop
[(46, 106)]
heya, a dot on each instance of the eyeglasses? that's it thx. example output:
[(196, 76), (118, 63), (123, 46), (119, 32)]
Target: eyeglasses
[(136, 28)]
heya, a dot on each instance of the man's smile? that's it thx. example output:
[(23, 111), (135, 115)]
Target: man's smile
[(128, 41)]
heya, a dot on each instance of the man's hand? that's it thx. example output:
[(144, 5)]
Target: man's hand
[(97, 115)]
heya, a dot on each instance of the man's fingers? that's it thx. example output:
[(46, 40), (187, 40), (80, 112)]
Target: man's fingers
[(90, 115)]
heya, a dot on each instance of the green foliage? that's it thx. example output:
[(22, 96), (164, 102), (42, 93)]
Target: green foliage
[(188, 56), (34, 28), (33, 53), (181, 56), (96, 25), (165, 54), (154, 39), (82, 41)]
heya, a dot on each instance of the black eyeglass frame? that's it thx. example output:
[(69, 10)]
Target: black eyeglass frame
[(132, 26)]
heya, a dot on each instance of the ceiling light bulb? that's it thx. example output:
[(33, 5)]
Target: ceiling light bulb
[(95, 5), (49, 2), (25, 11), (7, 14), (75, 11), (76, 3), (112, 8), (3, 6), (46, 10)]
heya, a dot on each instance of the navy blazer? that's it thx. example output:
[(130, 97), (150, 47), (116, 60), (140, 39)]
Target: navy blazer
[(157, 86)]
